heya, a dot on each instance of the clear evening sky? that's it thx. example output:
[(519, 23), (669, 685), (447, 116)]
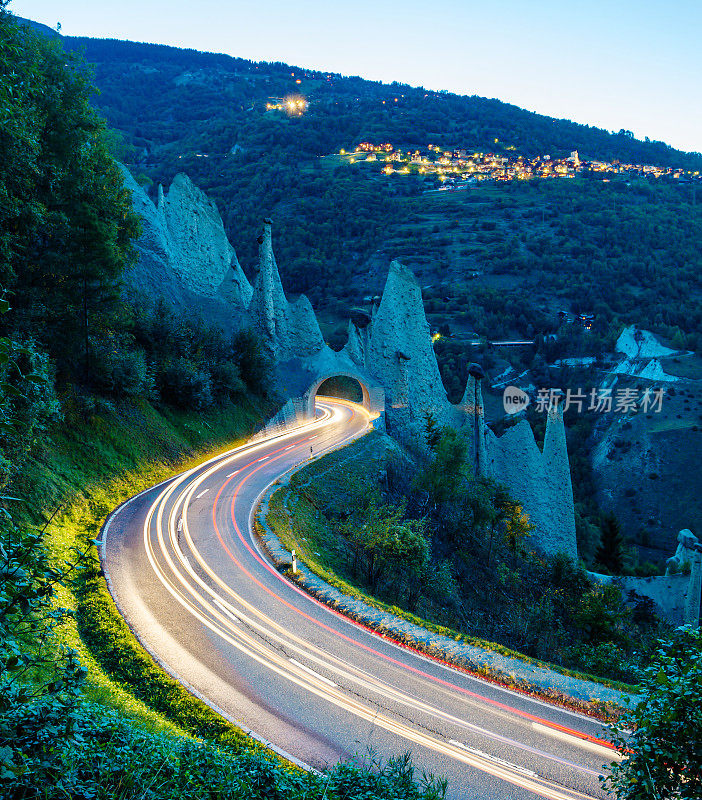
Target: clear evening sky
[(633, 64)]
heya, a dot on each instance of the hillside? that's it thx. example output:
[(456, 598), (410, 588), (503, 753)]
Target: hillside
[(101, 397), (497, 259), (226, 123), (104, 392)]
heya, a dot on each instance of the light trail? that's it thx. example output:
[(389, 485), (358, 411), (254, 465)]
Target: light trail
[(228, 615)]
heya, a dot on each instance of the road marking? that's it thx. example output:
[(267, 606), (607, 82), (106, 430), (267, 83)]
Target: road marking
[(232, 474), (312, 672), (204, 491), (290, 447), (598, 749), (265, 458), (270, 659), (228, 612), (494, 759), (535, 751), (180, 524)]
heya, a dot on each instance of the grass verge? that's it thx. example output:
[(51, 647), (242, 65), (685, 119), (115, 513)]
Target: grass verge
[(89, 468), (297, 522)]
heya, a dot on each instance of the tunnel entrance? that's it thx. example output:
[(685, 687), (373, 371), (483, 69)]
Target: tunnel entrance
[(348, 386), (342, 386)]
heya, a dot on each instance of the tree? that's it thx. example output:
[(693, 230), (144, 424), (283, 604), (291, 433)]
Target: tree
[(254, 365), (662, 757), (28, 403), (432, 431), (386, 540), (611, 552), (443, 477), (66, 220)]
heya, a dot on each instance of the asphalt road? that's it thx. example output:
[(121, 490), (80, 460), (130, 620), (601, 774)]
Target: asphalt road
[(188, 576)]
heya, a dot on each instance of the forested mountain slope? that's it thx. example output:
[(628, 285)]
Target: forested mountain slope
[(583, 243)]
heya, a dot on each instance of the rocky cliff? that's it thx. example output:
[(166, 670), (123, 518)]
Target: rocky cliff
[(540, 481), (396, 349), (184, 255), (288, 330)]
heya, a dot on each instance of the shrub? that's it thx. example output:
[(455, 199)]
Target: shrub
[(183, 384), (606, 659), (254, 365), (120, 370), (226, 381), (28, 403)]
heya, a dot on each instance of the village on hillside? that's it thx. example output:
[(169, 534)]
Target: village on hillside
[(460, 166)]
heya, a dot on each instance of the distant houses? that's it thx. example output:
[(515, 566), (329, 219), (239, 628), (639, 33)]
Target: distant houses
[(461, 164)]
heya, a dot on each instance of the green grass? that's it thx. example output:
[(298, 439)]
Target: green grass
[(296, 517), (93, 462)]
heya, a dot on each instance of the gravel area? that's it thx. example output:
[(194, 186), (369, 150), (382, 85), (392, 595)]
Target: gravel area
[(504, 669)]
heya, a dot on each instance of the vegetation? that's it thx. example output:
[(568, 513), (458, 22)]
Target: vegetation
[(66, 219), (623, 249), (455, 551), (495, 261), (660, 749), (84, 711)]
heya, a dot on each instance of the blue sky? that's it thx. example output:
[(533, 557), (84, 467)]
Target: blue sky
[(634, 64)]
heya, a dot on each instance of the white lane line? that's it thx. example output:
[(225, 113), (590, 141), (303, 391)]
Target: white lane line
[(290, 447), (494, 759), (535, 751), (269, 660), (231, 616), (576, 741), (232, 474), (204, 491), (265, 458), (312, 672)]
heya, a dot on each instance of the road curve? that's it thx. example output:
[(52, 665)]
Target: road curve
[(188, 576)]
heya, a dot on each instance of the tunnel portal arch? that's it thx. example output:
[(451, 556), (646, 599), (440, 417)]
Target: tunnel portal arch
[(372, 392)]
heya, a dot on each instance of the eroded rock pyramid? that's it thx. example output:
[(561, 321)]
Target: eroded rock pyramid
[(183, 252)]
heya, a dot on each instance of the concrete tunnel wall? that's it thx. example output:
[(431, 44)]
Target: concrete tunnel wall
[(373, 394)]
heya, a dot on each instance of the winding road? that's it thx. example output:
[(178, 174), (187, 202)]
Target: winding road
[(187, 574)]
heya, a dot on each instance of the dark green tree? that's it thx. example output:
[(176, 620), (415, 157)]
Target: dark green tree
[(611, 551), (447, 470), (254, 365), (384, 539), (66, 221), (660, 738), (432, 431)]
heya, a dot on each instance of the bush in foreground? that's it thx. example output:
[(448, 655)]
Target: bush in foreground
[(662, 756)]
